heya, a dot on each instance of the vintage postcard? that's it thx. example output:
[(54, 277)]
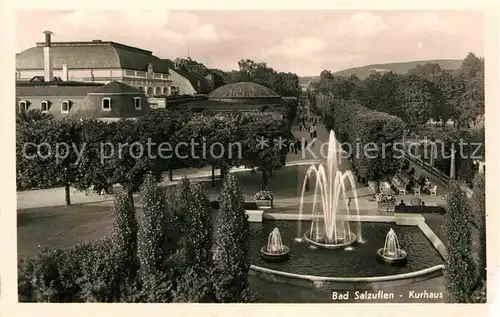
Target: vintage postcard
[(250, 156)]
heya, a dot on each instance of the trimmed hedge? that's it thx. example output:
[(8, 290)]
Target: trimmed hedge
[(359, 126), (248, 205), (420, 209)]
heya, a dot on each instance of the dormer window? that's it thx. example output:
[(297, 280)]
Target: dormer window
[(65, 106), (44, 106), (137, 103), (106, 104), (23, 105)]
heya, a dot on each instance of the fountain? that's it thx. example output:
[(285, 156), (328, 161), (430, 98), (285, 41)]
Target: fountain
[(274, 251), (330, 226), (391, 252)]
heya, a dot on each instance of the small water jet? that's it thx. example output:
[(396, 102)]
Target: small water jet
[(274, 251), (391, 252)]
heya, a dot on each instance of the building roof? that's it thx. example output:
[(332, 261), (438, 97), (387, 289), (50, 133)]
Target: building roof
[(243, 90), (116, 87), (84, 89), (49, 91), (194, 77), (94, 55), (38, 81)]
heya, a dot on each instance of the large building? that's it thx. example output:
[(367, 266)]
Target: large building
[(111, 101), (100, 61), (107, 80)]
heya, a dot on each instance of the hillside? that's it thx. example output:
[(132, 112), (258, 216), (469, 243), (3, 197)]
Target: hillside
[(398, 68)]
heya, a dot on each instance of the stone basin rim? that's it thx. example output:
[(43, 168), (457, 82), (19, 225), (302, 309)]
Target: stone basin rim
[(367, 279)]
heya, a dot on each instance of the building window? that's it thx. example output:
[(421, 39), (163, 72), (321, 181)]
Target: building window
[(44, 106), (149, 91), (23, 105), (165, 90), (106, 104), (65, 106), (158, 91), (137, 103)]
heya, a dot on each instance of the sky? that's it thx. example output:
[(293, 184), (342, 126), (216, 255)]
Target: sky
[(302, 42)]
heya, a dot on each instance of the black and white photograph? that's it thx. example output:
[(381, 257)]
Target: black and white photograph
[(250, 156)]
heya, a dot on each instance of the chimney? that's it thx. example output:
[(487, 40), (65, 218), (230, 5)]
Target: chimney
[(64, 72), (47, 59)]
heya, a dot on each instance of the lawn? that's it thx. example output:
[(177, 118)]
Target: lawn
[(63, 226)]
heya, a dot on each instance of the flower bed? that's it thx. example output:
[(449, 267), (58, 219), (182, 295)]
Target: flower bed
[(385, 198), (264, 195), (385, 201), (264, 199)]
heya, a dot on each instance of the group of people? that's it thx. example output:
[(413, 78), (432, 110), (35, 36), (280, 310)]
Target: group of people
[(308, 123), (402, 203), (296, 146)]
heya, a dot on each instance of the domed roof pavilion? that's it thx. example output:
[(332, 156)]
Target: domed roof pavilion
[(244, 92), (241, 97)]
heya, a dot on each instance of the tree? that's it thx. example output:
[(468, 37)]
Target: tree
[(125, 236), (199, 236), (260, 134), (195, 284), (161, 130), (129, 161), (377, 133), (154, 248), (325, 75), (459, 272), (451, 89), (151, 239), (380, 92), (31, 115), (217, 133), (231, 257), (93, 170), (48, 154), (427, 71), (472, 73), (478, 215), (417, 98)]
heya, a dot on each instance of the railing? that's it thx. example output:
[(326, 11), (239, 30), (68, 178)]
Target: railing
[(445, 179)]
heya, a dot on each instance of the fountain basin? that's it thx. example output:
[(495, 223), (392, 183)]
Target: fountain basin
[(274, 256), (399, 258), (340, 244)]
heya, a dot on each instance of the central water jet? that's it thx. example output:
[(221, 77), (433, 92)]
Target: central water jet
[(331, 225)]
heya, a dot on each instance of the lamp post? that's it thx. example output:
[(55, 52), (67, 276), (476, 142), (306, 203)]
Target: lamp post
[(452, 164), (433, 152)]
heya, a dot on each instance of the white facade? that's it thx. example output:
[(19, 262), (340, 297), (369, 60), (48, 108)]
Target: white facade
[(181, 84), (152, 84)]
